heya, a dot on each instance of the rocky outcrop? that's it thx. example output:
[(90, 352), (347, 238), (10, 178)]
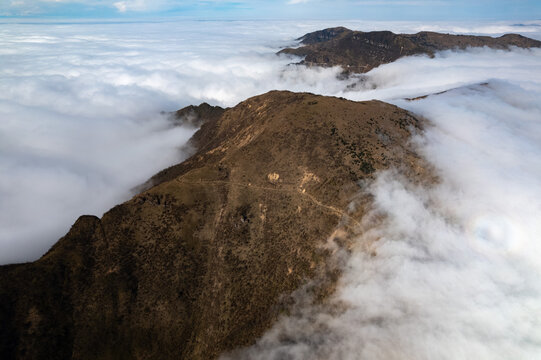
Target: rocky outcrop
[(197, 115), (203, 261), (360, 52)]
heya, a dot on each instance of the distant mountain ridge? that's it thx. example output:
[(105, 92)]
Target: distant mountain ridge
[(360, 52)]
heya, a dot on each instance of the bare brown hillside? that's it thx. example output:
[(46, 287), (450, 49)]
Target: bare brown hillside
[(203, 260)]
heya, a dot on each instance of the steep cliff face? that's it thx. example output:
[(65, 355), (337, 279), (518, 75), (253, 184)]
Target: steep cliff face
[(360, 52), (203, 261)]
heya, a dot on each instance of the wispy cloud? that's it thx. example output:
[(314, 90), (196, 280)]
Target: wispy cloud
[(323, 9), (50, 7), (138, 5), (402, 3), (294, 2)]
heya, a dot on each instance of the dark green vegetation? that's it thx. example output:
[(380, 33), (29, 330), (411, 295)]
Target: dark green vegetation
[(204, 259), (360, 52)]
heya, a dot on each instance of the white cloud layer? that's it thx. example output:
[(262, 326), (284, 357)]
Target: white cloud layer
[(453, 271), (456, 271)]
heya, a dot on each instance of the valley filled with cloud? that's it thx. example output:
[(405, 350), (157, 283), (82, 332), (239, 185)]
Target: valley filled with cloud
[(83, 122)]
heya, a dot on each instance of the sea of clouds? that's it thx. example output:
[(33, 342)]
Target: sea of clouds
[(457, 266)]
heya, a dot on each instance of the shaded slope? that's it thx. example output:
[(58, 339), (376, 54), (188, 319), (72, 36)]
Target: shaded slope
[(360, 52), (203, 261)]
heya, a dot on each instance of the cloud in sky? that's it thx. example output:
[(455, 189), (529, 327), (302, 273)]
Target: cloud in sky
[(140, 6), (121, 6), (402, 2), (293, 2), (82, 8), (257, 9)]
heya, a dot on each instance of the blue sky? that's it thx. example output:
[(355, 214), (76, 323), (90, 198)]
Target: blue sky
[(278, 9)]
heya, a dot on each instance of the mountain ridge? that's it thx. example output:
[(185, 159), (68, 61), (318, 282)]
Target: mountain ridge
[(360, 52), (204, 260)]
